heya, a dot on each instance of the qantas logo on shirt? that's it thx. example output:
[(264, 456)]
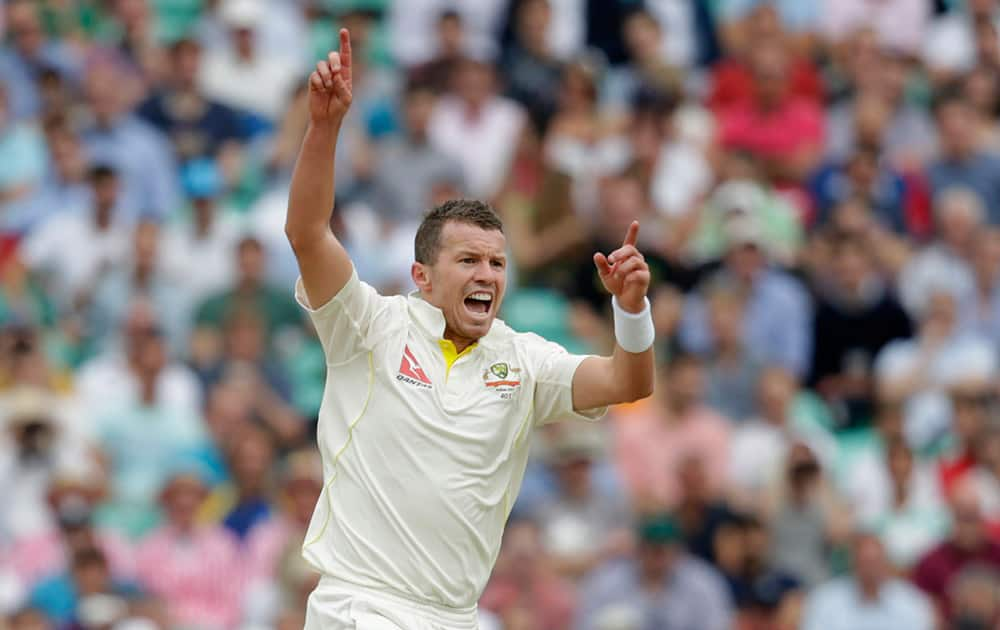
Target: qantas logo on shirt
[(410, 371)]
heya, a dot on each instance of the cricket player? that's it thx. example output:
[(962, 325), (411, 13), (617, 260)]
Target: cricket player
[(430, 401)]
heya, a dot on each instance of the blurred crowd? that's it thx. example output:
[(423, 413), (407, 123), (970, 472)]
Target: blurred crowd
[(818, 184)]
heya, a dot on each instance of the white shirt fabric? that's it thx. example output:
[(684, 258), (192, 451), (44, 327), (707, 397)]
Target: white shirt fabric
[(899, 24), (483, 145), (262, 85), (106, 384), (421, 465), (951, 43), (413, 28), (910, 530), (567, 32), (758, 451), (681, 178), (838, 605), (677, 22), (936, 268), (207, 263), (72, 251), (927, 413)]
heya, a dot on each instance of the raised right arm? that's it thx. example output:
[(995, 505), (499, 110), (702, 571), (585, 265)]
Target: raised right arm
[(323, 262)]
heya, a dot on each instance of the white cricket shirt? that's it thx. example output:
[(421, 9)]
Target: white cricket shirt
[(422, 463)]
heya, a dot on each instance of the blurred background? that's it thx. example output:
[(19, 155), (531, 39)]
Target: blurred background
[(818, 183)]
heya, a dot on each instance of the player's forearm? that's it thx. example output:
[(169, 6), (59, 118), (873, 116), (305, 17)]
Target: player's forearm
[(632, 373), (323, 262), (310, 201)]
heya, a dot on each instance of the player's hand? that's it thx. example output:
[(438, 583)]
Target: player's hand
[(625, 273), (330, 88)]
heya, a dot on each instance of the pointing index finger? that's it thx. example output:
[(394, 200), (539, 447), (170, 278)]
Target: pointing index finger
[(345, 54), (632, 234)]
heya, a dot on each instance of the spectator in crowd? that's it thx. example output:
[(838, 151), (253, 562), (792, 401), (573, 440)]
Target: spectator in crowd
[(36, 442), (918, 371), (968, 546), (700, 512), (137, 151), (746, 197), (652, 443), (141, 276), (979, 308), (963, 161), (900, 499), (583, 527), (865, 177), (438, 73), (22, 147), (146, 436), (761, 594), (242, 75), (72, 496), (244, 503), (524, 589), (250, 292), (530, 65), (806, 518), (972, 396), (731, 373), (582, 142), (959, 216), (664, 587), (30, 54), (950, 47), (900, 25), (474, 115), (976, 600), (732, 78), (65, 187), (858, 316), (648, 67), (877, 114), (276, 580), (776, 320), (194, 569), (871, 596), (404, 200), (196, 126), (781, 130), (760, 446), (200, 247), (72, 250), (65, 598)]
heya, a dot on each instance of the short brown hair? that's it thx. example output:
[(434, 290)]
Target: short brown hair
[(427, 244)]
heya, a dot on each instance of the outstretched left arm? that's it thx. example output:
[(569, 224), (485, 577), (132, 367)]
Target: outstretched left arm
[(628, 374)]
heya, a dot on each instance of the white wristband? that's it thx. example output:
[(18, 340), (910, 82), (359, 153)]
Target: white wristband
[(633, 331)]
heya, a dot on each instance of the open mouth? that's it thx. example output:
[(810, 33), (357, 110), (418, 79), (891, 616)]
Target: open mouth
[(479, 302)]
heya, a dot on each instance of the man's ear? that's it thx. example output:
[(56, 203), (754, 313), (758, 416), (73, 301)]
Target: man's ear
[(421, 276)]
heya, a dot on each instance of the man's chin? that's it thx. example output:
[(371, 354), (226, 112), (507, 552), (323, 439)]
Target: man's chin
[(476, 329)]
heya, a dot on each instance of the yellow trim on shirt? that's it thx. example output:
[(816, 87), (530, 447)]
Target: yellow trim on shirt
[(451, 354), (336, 458)]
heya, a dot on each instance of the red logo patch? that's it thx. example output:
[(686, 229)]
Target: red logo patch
[(410, 368)]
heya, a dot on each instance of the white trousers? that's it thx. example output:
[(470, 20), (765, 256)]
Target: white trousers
[(338, 605)]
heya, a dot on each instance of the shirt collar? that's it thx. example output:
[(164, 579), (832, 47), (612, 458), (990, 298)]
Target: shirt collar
[(431, 319)]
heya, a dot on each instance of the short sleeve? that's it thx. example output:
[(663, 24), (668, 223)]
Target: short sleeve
[(553, 368), (344, 324)]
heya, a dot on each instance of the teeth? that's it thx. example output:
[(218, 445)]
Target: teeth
[(485, 297)]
